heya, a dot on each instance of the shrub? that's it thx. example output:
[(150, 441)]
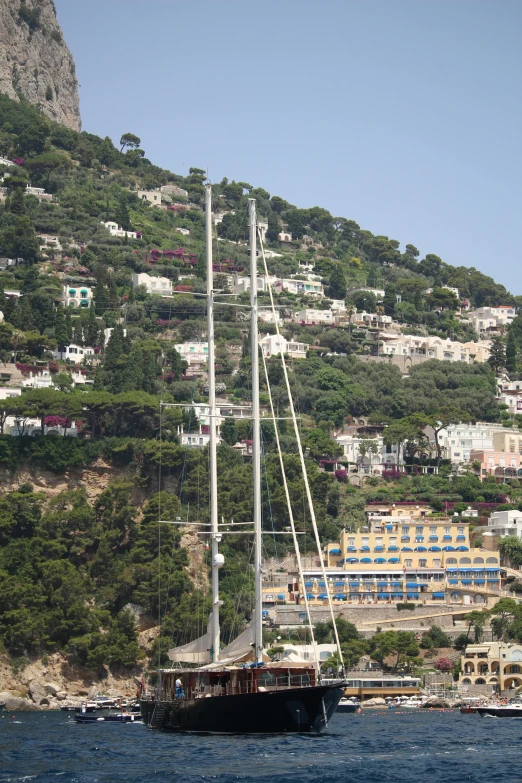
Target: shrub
[(443, 664), (31, 16), (408, 607)]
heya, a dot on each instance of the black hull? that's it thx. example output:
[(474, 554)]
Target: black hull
[(270, 712), (500, 712)]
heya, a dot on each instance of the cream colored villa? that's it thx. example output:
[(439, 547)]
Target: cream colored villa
[(492, 663)]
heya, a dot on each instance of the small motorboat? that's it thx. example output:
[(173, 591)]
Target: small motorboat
[(513, 709), (412, 704), (120, 717), (348, 705)]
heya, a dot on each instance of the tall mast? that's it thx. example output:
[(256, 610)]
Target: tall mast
[(214, 650), (256, 437)]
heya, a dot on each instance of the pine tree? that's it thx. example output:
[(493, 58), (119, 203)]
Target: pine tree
[(60, 330), (390, 300), (122, 216), (92, 328), (17, 202), (337, 283), (229, 431), (68, 325), (511, 352), (497, 358)]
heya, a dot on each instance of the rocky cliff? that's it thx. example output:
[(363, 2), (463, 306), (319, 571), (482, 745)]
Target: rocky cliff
[(35, 62)]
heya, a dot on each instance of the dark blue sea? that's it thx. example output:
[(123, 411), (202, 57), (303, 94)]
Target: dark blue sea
[(373, 747)]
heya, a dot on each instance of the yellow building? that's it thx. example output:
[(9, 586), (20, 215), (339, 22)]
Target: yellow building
[(415, 559), (498, 664)]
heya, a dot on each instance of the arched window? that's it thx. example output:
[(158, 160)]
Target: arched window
[(491, 560), (465, 561), (451, 561), (480, 681), (478, 560)]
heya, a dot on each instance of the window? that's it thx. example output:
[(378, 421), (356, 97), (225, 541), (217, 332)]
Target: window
[(433, 531), (405, 531), (407, 563), (419, 530), (365, 540), (378, 541), (460, 531), (423, 563), (351, 541), (436, 563), (447, 531)]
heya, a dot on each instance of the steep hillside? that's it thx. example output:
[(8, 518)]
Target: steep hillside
[(35, 62)]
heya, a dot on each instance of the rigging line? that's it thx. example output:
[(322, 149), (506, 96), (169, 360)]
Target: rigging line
[(263, 451), (291, 515), (159, 529), (303, 466)]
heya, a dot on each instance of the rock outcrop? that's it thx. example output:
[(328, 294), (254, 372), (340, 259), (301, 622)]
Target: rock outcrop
[(35, 62)]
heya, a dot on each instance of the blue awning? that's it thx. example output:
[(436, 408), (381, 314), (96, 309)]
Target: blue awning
[(394, 560), (379, 549), (463, 549), (452, 569), (351, 549), (453, 581), (492, 569), (383, 595), (412, 595), (446, 538), (396, 584), (393, 548), (352, 559), (321, 584), (365, 549), (379, 560), (438, 595), (465, 570), (478, 569), (434, 538), (340, 596), (406, 549), (335, 551), (339, 584), (480, 581), (448, 549), (411, 584), (366, 560), (492, 579), (281, 597), (434, 549), (323, 595), (420, 549), (382, 584), (309, 584), (466, 581), (309, 596)]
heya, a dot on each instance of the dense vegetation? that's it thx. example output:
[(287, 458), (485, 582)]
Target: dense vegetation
[(68, 567)]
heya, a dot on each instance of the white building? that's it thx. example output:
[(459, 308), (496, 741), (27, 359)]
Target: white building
[(194, 353), (74, 353), (115, 231), (488, 319), (152, 196), (39, 193), (77, 296), (506, 523), (269, 317), (371, 454), (174, 190), (276, 344), (285, 237), (377, 292), (49, 240), (279, 285), (6, 162), (458, 440), (433, 347), (154, 285), (446, 288), (309, 317), (375, 320)]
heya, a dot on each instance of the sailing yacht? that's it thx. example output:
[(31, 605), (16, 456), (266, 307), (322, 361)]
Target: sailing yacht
[(237, 689)]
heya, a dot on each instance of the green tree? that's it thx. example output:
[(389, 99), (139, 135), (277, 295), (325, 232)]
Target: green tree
[(129, 140), (476, 620), (337, 289), (511, 352), (497, 358), (60, 330)]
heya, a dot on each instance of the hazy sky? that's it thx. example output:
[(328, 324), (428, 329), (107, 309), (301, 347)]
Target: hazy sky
[(404, 115)]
